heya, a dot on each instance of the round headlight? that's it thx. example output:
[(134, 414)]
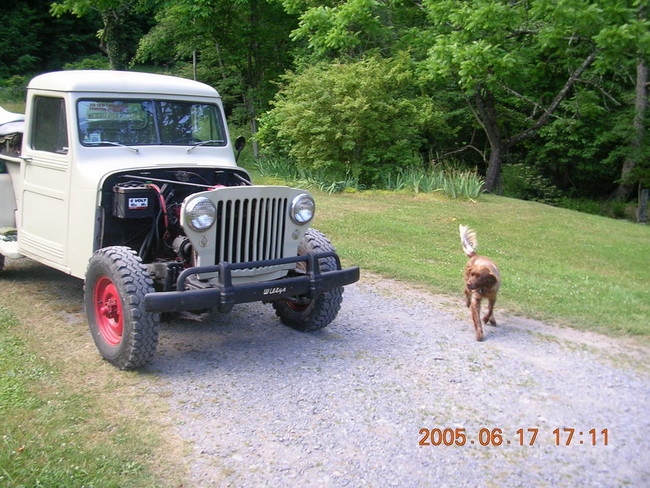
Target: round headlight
[(302, 209), (200, 214)]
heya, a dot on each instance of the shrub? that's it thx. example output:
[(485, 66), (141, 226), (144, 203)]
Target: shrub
[(96, 61), (359, 120), (524, 182), (615, 209), (13, 89)]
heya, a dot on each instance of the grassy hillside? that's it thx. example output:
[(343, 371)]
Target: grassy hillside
[(559, 265)]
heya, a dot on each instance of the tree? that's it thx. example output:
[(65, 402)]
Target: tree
[(354, 29), (31, 41), (122, 26), (582, 148), (633, 37), (626, 186), (18, 57), (243, 46), (639, 160), (515, 62)]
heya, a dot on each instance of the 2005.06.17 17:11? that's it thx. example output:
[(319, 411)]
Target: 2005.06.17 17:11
[(497, 437)]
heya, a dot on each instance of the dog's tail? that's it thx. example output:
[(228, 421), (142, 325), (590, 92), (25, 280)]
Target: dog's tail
[(468, 240)]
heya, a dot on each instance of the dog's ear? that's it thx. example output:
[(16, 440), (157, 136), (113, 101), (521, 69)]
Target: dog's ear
[(488, 279)]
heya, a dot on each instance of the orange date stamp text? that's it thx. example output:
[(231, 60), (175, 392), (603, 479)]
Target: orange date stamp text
[(520, 437)]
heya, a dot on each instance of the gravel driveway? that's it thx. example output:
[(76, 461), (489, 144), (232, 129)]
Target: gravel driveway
[(265, 406)]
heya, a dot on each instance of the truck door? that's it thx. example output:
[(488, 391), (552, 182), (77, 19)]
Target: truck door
[(46, 182)]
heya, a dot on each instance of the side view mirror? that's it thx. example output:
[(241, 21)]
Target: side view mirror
[(240, 143)]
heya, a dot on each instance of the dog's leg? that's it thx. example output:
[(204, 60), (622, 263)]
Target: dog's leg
[(489, 315), (476, 315), (468, 297)]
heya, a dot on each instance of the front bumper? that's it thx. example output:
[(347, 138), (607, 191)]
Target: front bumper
[(224, 295)]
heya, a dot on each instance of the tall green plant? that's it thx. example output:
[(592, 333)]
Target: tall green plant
[(451, 182), (362, 119)]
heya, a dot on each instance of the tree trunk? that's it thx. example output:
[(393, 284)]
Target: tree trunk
[(113, 40), (249, 101), (626, 187), (494, 168), (642, 210), (487, 116), (256, 149), (222, 68)]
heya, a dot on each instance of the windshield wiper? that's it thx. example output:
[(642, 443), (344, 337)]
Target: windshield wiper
[(113, 143), (203, 143)]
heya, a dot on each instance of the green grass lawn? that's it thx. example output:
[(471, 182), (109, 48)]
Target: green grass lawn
[(54, 437), (559, 265), (68, 420)]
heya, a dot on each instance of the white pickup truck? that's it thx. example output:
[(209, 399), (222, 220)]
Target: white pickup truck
[(130, 182)]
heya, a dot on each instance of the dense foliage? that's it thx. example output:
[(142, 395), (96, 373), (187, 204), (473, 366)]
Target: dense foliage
[(31, 40), (240, 47), (360, 119), (546, 98)]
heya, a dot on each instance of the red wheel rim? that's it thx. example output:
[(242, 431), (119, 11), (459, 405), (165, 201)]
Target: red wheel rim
[(108, 311), (298, 306)]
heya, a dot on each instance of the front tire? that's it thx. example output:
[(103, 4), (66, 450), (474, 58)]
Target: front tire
[(115, 286), (308, 314)]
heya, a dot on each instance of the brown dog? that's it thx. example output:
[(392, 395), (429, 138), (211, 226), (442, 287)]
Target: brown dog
[(481, 281)]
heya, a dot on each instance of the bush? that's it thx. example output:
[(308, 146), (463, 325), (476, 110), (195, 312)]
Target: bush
[(615, 209), (357, 121), (13, 89), (524, 182), (96, 61)]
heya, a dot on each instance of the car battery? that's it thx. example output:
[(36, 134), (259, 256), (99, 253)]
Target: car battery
[(133, 201)]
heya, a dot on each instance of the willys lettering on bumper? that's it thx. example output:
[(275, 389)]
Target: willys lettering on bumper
[(224, 295)]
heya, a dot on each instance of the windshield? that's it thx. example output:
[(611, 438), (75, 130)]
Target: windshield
[(148, 122)]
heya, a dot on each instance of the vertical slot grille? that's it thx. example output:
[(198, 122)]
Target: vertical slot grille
[(250, 229)]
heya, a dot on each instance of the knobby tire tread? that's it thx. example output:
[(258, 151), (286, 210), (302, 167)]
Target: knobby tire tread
[(324, 308), (133, 282)]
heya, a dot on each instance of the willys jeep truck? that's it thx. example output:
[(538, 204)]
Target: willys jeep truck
[(130, 182)]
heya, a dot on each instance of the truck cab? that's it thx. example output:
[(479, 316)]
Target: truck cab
[(129, 181)]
